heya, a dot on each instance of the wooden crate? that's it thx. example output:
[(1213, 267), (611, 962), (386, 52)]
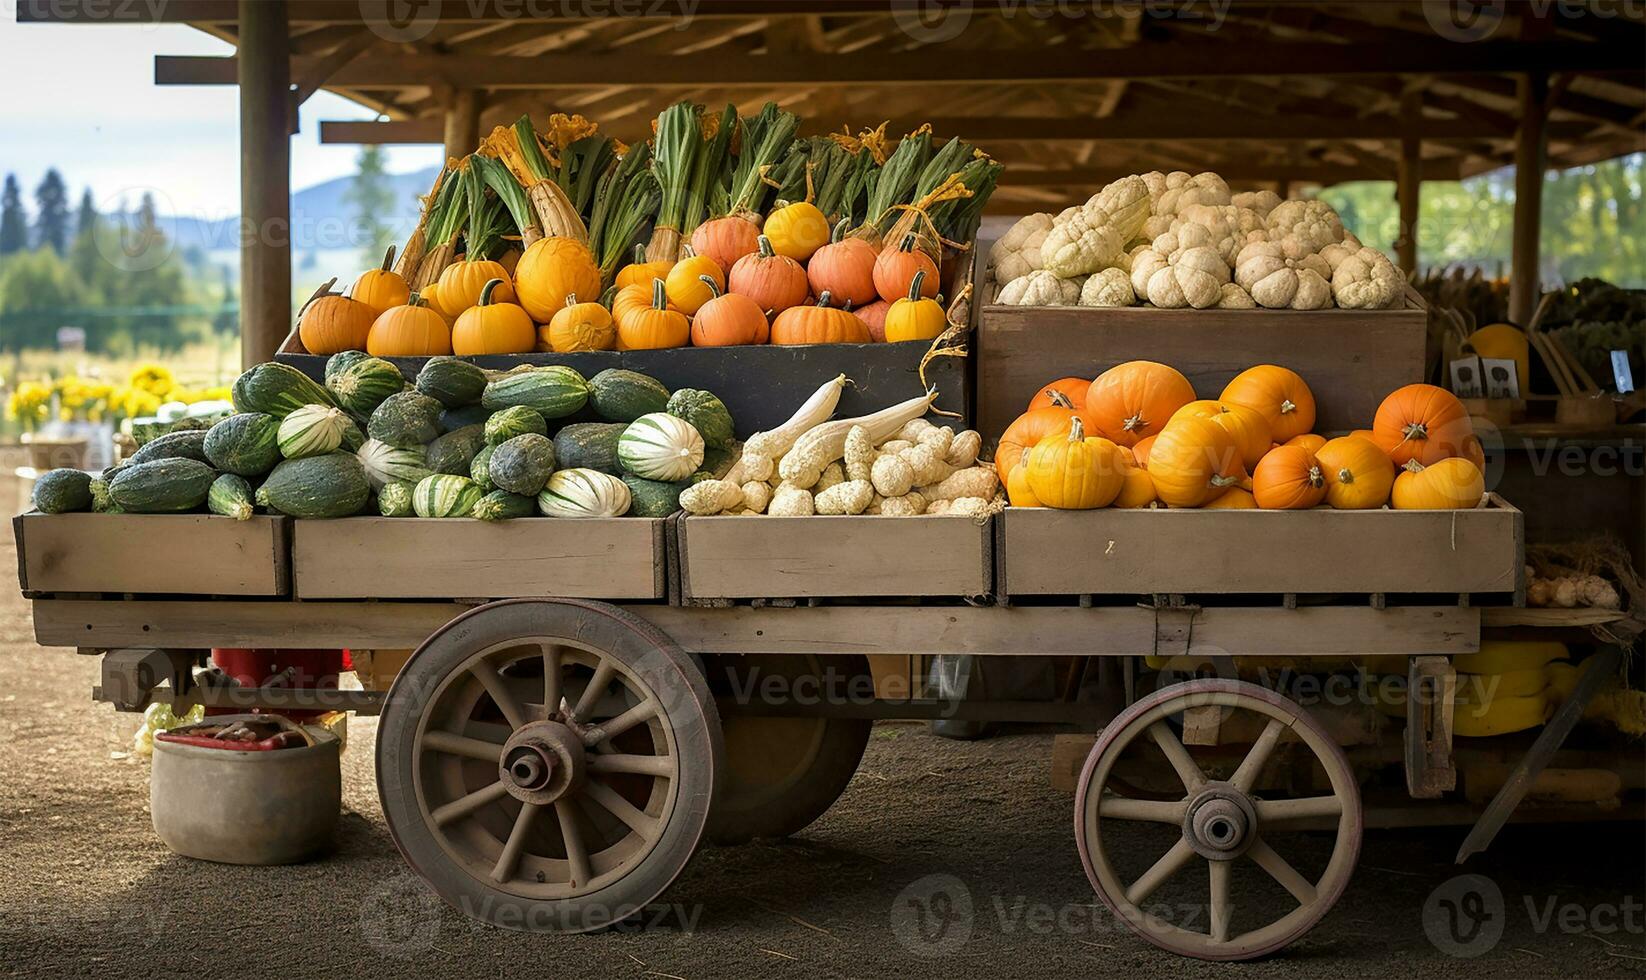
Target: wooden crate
[(1232, 552), (809, 557), (418, 558), (152, 554), (1350, 358)]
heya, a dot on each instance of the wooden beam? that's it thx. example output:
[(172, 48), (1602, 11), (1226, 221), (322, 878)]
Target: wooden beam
[(1531, 157), (265, 180), (1409, 181), (461, 128), (1282, 172), (321, 12), (921, 66)]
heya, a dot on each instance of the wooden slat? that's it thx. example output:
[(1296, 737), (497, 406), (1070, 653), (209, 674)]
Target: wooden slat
[(1350, 358), (802, 557), (152, 554), (1215, 552), (416, 558)]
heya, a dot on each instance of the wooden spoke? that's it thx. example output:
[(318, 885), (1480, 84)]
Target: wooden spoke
[(597, 687), (576, 855), (1278, 868), (1251, 767), (1221, 909), (1273, 812), (498, 688), (1187, 769), (551, 678), (607, 730), (608, 798), (645, 765), (1169, 864), (469, 748), (1148, 811), (465, 805), (510, 858)]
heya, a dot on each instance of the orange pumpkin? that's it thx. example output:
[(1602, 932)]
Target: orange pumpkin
[(1074, 472), (684, 283), (1140, 452), (1421, 422), (461, 283), (1358, 473), (329, 323), (551, 270), (1289, 478), (1025, 431), (729, 320), (631, 298), (641, 273), (1133, 400), (1474, 452), (820, 324), (726, 240), (874, 317), (1453, 483), (774, 282), (845, 268), (381, 288), (1193, 462), (1307, 440), (895, 268), (579, 327), (412, 330), (1233, 498), (1071, 389), (655, 327), (1138, 488), (491, 327), (1249, 428), (1279, 394)]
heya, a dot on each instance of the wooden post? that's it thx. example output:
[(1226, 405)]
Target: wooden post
[(265, 180), (1409, 181), (1283, 188), (462, 123), (1531, 156)]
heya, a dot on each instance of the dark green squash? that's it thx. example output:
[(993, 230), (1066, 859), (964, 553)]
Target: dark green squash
[(188, 444), (523, 464), (516, 420), (62, 491), (395, 500), (454, 383), (162, 486), (405, 420), (480, 468), (453, 452), (230, 496), (342, 361), (501, 505), (589, 445), (554, 392), (651, 498), (276, 389), (333, 485), (618, 395), (706, 413), (362, 385), (246, 444)]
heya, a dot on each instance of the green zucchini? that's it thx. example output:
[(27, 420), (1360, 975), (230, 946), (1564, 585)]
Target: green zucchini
[(188, 444), (501, 505), (395, 500), (523, 464), (276, 389), (589, 445), (230, 496), (554, 392), (480, 469), (62, 491), (453, 382), (362, 385), (651, 498), (617, 395), (162, 486), (516, 420), (405, 420), (333, 485), (453, 452), (247, 444), (444, 495), (706, 413)]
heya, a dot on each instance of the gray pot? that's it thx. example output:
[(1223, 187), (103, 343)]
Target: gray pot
[(238, 807)]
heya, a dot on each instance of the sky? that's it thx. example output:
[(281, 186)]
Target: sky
[(83, 99)]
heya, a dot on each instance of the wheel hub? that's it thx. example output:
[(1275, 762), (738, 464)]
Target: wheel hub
[(542, 762), (1220, 822)]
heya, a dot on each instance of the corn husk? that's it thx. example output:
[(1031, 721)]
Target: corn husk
[(676, 146)]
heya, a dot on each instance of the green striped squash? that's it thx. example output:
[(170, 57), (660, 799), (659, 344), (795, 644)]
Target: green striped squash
[(453, 382), (619, 395), (162, 486), (276, 389), (362, 385), (706, 413), (247, 444), (584, 493), (445, 495), (516, 420), (230, 496), (333, 485), (386, 464), (313, 430), (660, 447), (553, 392), (480, 469), (395, 500), (501, 505)]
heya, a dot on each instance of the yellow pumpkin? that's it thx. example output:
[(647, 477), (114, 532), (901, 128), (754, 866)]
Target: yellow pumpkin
[(914, 317), (1451, 484), (797, 230), (579, 327), (685, 286), (640, 272), (1193, 461), (551, 270), (1248, 426), (412, 330), (1358, 474), (381, 288), (1233, 498), (461, 283), (492, 327), (1505, 341), (1138, 488), (1074, 472), (1018, 491)]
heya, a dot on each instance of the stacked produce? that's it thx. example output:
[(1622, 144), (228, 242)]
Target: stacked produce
[(1182, 240), (720, 231), (458, 442), (1138, 436), (892, 462)]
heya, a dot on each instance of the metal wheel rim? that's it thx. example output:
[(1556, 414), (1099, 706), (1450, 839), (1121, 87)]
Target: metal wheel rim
[(1148, 715)]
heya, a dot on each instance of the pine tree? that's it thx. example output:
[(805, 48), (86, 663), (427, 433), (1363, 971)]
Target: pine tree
[(14, 224), (85, 220), (86, 257), (51, 223), (373, 197)]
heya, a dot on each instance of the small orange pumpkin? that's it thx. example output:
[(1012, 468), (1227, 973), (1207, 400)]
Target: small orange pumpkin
[(412, 330), (1358, 474), (1140, 452), (1026, 431), (552, 269), (330, 322), (726, 240), (631, 298), (1421, 422), (641, 273), (1134, 399), (1249, 428), (774, 282), (461, 283), (491, 327), (1280, 394), (684, 283), (1289, 478), (579, 327), (655, 327), (914, 317), (874, 317), (1453, 483), (845, 268), (1072, 390), (895, 269), (1308, 440), (728, 320), (1233, 498), (381, 288), (820, 324), (1193, 462)]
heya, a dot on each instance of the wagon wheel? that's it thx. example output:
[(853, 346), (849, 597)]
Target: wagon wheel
[(548, 765), (784, 773), (1219, 821)]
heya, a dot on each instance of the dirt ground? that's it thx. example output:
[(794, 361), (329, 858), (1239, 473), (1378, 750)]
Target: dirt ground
[(972, 831)]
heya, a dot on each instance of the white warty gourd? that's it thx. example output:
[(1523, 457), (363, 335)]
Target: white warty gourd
[(1304, 227), (1170, 193), (1279, 283), (1093, 237), (1108, 288), (1039, 288), (1367, 280), (1017, 253), (1179, 269)]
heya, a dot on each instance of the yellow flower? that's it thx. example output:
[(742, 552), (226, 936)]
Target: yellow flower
[(153, 378)]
